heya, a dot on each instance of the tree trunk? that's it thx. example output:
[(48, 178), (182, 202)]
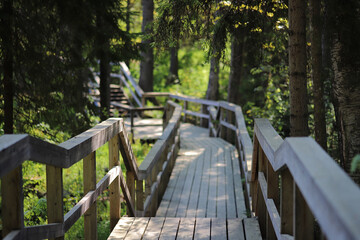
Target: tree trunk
[(318, 81), (236, 70), (346, 65), (8, 58), (127, 21), (147, 62), (174, 65), (297, 69), (103, 55)]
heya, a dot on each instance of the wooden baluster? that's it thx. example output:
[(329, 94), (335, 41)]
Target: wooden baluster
[(287, 202), (261, 204), (185, 108), (304, 220), (139, 198), (130, 182), (148, 183), (132, 126), (222, 128), (12, 201), (154, 201), (230, 133), (54, 195), (254, 173), (89, 176), (272, 193), (115, 199)]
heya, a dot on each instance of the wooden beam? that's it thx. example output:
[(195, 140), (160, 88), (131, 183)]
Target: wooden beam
[(12, 201), (54, 195), (115, 196), (89, 176)]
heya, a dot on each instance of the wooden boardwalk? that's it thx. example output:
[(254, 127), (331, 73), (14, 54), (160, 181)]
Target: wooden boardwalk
[(145, 129), (204, 198), (205, 181)]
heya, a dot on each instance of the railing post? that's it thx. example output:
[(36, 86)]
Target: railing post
[(304, 220), (261, 211), (115, 200), (230, 133), (12, 201), (89, 176), (54, 195), (272, 193), (132, 125), (287, 202), (139, 198), (185, 108), (222, 118), (130, 182)]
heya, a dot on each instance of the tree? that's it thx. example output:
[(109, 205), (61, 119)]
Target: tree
[(174, 65), (297, 69), (346, 85), (147, 55), (318, 82)]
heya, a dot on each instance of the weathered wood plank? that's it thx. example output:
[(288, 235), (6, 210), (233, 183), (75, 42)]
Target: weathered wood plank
[(186, 229), (218, 229), (121, 229), (154, 228), (235, 229), (239, 193), (202, 229), (137, 228), (170, 228), (195, 190), (221, 189), (252, 230), (204, 188), (230, 200), (211, 206)]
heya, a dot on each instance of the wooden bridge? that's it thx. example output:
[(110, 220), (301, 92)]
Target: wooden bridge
[(203, 179)]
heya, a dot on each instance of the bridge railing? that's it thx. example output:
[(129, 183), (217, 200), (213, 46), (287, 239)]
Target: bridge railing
[(296, 186), (154, 171)]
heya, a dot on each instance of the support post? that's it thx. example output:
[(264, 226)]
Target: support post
[(54, 195), (12, 201), (287, 202), (115, 200), (304, 220), (89, 176), (130, 182)]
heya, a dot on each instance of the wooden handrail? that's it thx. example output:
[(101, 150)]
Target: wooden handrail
[(127, 74), (322, 188)]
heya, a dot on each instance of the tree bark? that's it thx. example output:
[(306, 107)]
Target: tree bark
[(103, 55), (174, 65), (147, 62), (297, 69), (236, 70), (346, 86), (318, 81), (8, 58)]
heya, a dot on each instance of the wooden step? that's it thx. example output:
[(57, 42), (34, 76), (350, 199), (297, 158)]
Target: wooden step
[(186, 228)]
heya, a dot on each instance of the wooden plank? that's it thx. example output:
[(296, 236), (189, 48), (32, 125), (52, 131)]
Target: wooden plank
[(127, 196), (121, 229), (186, 229), (89, 176), (196, 114), (170, 228), (194, 100), (12, 205), (218, 229), (211, 206), (185, 195), (231, 211), (127, 73), (202, 229), (137, 228), (195, 190), (251, 228), (239, 193), (123, 144), (154, 228), (235, 229), (304, 221), (178, 190), (221, 189), (47, 231), (204, 188), (54, 197)]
